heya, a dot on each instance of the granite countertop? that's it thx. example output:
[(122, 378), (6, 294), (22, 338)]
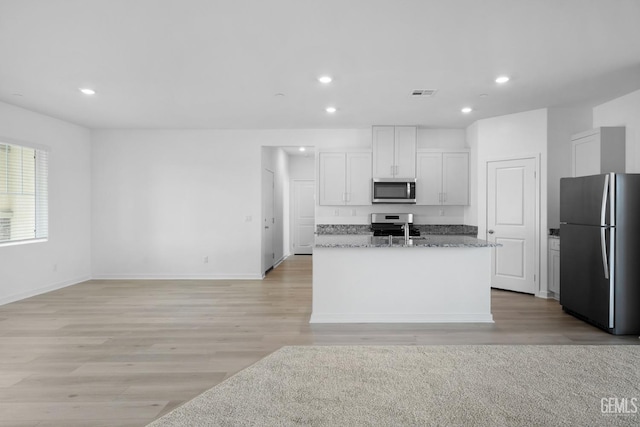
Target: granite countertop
[(369, 241)]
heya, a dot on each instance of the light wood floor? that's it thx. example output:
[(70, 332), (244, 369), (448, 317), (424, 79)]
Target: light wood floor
[(121, 353)]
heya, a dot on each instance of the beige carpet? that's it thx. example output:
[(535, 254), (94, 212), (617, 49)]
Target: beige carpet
[(424, 386)]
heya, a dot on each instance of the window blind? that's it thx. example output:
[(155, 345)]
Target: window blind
[(24, 211)]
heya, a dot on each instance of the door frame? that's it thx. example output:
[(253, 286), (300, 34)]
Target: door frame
[(537, 271), (292, 207), (273, 203)]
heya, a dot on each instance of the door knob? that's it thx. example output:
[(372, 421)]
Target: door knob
[(490, 231)]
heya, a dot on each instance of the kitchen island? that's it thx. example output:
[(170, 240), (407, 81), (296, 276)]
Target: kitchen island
[(432, 279)]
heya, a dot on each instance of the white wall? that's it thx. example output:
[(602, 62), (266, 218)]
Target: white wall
[(441, 138), (33, 268), (521, 134), (164, 199), (426, 138), (623, 111), (562, 123), (302, 167)]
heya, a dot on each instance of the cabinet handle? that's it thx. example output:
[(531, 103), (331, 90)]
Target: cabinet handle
[(444, 197), (391, 170), (397, 170), (348, 195)]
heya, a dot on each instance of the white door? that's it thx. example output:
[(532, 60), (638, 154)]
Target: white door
[(405, 151), (455, 178), (303, 216), (586, 155), (383, 144), (358, 187), (429, 174), (332, 179), (268, 220), (511, 205)]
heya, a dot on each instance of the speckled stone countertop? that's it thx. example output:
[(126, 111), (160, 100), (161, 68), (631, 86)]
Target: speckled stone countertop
[(369, 241), (467, 230)]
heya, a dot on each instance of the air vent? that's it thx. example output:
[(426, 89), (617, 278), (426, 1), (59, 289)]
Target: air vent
[(423, 93)]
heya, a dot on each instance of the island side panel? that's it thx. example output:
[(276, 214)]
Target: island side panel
[(402, 285)]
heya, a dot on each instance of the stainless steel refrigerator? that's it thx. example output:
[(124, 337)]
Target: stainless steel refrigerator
[(600, 250)]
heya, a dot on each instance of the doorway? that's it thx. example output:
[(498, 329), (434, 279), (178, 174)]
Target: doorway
[(512, 206), (281, 167)]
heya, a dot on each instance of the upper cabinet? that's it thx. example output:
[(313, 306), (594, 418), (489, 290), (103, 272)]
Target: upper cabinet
[(443, 177), (597, 151), (344, 178), (394, 151)]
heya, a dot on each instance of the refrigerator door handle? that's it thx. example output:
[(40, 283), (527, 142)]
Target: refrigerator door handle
[(605, 196), (605, 261)]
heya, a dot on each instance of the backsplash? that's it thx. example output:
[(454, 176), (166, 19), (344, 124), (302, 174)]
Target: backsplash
[(459, 230), (343, 229)]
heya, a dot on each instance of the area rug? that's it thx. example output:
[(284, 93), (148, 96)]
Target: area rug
[(426, 386)]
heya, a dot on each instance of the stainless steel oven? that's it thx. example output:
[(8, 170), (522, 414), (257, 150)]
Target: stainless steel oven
[(394, 190)]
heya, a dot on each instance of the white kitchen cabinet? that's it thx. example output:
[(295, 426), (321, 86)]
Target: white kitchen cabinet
[(442, 177), (332, 178), (394, 151), (554, 267), (597, 151), (344, 178)]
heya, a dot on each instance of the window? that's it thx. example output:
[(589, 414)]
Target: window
[(24, 173)]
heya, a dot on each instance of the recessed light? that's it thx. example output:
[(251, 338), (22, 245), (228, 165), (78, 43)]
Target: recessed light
[(279, 95), (87, 91), (467, 110), (483, 95), (325, 79), (331, 110), (502, 79), (301, 149)]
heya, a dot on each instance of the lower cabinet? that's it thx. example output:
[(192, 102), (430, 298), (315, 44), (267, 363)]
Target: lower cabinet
[(344, 178), (554, 267), (442, 178)]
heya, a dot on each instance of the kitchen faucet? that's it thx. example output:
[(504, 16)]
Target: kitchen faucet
[(405, 227)]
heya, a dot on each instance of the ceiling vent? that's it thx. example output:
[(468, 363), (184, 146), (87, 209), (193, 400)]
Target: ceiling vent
[(423, 93)]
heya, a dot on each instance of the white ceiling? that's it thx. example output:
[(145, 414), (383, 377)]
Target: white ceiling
[(218, 64)]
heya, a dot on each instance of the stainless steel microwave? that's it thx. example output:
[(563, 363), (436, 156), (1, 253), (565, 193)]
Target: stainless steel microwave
[(394, 190)]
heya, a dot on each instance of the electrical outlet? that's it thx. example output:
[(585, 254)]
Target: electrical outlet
[(353, 212), (248, 218), (205, 260), (336, 212), (441, 212)]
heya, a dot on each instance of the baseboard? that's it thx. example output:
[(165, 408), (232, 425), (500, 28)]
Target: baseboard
[(43, 290), (179, 277), (400, 318), (547, 295), (279, 261)]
